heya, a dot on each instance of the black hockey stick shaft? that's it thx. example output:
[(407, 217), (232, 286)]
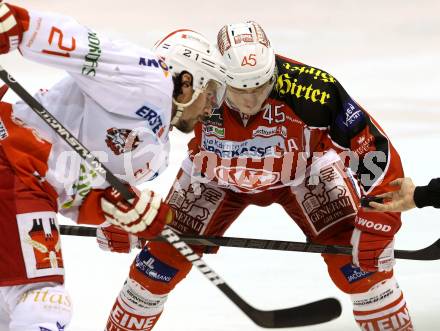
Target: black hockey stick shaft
[(310, 314), (428, 253)]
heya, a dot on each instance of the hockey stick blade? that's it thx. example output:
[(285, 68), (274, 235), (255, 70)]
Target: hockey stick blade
[(309, 314), (429, 253), (304, 315)]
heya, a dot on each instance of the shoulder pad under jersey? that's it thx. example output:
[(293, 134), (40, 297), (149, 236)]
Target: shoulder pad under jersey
[(309, 91)]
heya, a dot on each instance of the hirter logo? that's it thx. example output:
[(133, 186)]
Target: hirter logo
[(249, 179), (122, 140)]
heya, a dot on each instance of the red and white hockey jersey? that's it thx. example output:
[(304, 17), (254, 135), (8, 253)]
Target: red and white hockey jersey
[(308, 114), (116, 99)]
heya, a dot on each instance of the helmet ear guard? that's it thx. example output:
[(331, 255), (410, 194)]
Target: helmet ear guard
[(248, 55)]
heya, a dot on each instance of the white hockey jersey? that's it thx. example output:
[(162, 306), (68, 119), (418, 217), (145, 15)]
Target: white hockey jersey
[(116, 99)]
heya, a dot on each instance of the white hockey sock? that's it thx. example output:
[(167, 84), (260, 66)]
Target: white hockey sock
[(382, 308), (135, 309)]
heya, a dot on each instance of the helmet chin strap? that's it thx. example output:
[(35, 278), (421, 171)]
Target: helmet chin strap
[(181, 106), (177, 115)]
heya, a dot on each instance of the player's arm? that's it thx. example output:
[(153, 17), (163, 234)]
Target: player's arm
[(14, 22), (409, 196), (428, 195), (376, 164), (116, 74), (60, 41), (121, 225)]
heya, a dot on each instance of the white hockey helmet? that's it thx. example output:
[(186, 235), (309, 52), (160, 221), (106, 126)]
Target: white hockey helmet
[(187, 50), (249, 58)]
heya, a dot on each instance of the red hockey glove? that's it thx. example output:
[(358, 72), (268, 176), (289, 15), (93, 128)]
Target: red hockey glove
[(373, 240), (114, 239), (11, 26), (145, 215)]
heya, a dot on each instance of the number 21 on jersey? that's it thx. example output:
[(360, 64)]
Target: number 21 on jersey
[(57, 34)]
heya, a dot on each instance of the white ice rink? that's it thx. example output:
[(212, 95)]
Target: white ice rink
[(385, 53)]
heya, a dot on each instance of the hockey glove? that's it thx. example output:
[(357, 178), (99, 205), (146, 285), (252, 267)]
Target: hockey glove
[(373, 240), (11, 26), (145, 215), (114, 239)]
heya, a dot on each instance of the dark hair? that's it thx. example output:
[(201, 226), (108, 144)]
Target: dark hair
[(177, 81)]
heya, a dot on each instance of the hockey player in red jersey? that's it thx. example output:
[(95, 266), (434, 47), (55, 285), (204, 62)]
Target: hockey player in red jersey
[(288, 133), (119, 100)]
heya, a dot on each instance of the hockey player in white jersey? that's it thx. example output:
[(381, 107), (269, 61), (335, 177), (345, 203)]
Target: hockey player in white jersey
[(119, 100)]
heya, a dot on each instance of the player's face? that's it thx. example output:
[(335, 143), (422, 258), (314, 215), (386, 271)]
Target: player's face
[(200, 108), (249, 101)]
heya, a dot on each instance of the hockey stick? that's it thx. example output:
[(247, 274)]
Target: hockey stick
[(309, 314), (429, 253)]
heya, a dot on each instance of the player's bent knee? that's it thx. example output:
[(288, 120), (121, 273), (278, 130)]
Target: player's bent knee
[(378, 302), (159, 267), (47, 309), (350, 279)]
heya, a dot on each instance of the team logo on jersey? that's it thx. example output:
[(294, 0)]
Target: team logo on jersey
[(122, 140), (194, 206), (46, 245), (40, 244), (155, 63), (325, 199), (246, 178)]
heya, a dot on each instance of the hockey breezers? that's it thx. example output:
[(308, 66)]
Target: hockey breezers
[(429, 253), (309, 314)]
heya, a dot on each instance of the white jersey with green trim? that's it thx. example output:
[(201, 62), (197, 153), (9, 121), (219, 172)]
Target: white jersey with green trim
[(116, 100)]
